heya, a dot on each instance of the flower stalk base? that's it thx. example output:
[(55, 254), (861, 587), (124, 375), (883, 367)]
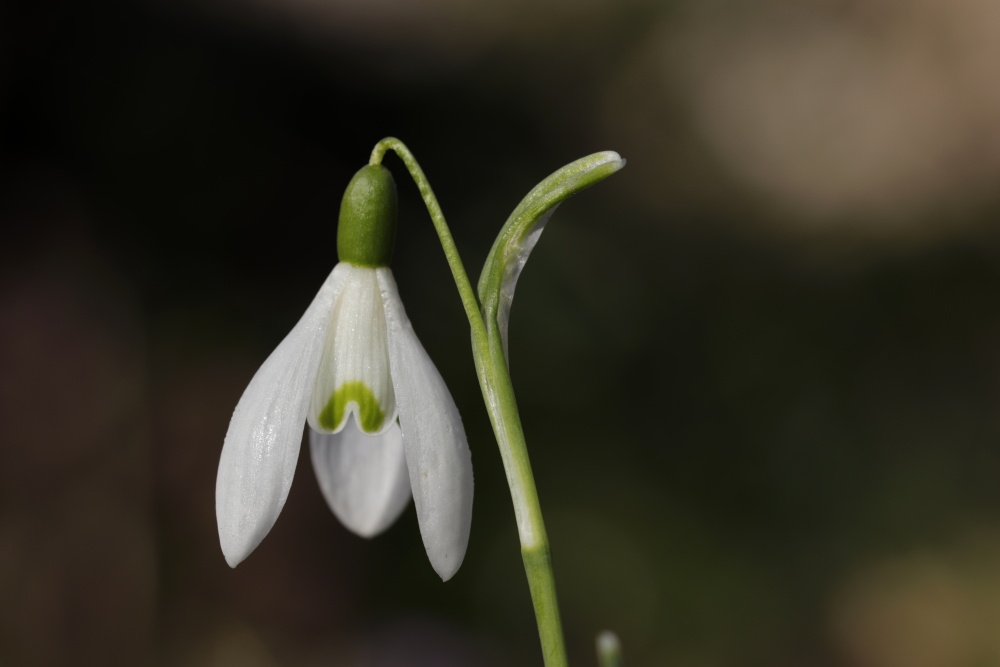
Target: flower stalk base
[(542, 584)]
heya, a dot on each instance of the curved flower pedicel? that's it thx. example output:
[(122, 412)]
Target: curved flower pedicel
[(382, 424), (488, 316)]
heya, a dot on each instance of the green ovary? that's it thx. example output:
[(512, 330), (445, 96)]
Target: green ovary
[(370, 415)]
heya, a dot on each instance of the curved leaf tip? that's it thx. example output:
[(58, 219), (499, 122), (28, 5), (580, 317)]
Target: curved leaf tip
[(520, 233)]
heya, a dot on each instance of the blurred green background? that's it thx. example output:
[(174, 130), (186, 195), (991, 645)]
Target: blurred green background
[(759, 368)]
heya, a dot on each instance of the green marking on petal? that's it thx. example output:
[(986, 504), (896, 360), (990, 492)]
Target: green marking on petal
[(370, 414)]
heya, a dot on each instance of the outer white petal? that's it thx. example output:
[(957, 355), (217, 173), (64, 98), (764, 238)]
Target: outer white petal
[(265, 432), (355, 355), (437, 452), (363, 477)]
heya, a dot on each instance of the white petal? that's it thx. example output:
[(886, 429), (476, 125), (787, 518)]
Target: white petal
[(265, 432), (363, 477), (354, 373), (437, 452)]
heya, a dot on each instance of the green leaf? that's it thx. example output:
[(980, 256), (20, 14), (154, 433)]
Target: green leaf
[(519, 234)]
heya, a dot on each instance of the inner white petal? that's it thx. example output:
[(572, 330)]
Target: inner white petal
[(354, 376), (363, 477)]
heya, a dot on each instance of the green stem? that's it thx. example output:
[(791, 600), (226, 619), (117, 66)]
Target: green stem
[(498, 392), (465, 290)]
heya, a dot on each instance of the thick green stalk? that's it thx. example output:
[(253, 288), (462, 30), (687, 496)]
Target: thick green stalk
[(499, 393), (494, 380)]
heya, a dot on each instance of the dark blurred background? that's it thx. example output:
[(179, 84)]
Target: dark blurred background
[(759, 368)]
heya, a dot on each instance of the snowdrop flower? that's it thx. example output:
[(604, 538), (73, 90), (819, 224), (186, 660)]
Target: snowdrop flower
[(382, 424)]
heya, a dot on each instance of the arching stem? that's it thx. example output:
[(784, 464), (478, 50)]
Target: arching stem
[(498, 392)]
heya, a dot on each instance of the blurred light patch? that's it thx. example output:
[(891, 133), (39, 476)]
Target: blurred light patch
[(235, 647), (928, 609), (875, 112)]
